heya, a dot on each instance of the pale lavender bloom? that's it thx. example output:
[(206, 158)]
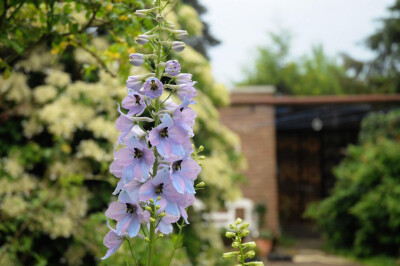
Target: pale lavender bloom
[(134, 83), (112, 241), (186, 201), (169, 139), (143, 39), (161, 186), (183, 173), (127, 124), (184, 116), (187, 91), (124, 124), (136, 59), (129, 216), (136, 160), (153, 88), (130, 191), (135, 103), (178, 46), (169, 106), (172, 67), (165, 225), (183, 78)]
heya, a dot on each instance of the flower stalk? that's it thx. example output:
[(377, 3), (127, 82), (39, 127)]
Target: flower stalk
[(156, 165)]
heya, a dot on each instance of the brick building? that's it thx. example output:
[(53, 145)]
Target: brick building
[(292, 143)]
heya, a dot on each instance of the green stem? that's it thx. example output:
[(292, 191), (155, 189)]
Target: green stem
[(130, 247), (158, 72), (241, 250), (150, 253), (176, 242)]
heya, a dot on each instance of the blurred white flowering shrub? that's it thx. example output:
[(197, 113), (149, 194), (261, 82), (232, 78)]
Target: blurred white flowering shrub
[(57, 113)]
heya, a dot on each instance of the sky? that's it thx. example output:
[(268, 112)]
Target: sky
[(242, 25)]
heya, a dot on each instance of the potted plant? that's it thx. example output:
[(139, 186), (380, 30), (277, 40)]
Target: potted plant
[(264, 242)]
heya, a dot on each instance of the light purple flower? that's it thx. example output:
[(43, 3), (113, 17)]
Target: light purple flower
[(136, 160), (178, 46), (172, 67), (187, 91), (127, 124), (136, 59), (129, 216), (153, 88), (183, 173), (184, 116), (186, 201), (135, 103), (183, 78), (134, 83), (169, 139), (161, 186), (112, 241), (165, 225)]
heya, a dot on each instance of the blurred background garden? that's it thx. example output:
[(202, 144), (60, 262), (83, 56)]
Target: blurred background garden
[(301, 143)]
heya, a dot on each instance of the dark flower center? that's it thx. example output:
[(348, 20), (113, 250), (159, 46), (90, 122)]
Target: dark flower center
[(130, 208), (159, 189), (137, 97), (138, 153), (181, 109), (153, 85), (177, 165), (164, 132)]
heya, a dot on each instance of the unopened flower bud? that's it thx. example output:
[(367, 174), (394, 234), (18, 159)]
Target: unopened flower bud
[(229, 255), (158, 207), (147, 239), (250, 254), (152, 220), (180, 34), (201, 148), (244, 225), (232, 226), (245, 232), (161, 214), (151, 200), (202, 157), (148, 208), (160, 235), (158, 198), (238, 221), (250, 245), (255, 263), (143, 39), (169, 24), (142, 13), (230, 234), (136, 59), (178, 46), (201, 185), (235, 244), (159, 18)]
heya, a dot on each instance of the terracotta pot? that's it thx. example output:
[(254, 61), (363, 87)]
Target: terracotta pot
[(264, 246)]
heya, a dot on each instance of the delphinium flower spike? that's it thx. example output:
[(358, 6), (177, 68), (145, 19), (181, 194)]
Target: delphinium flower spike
[(245, 250), (154, 159)]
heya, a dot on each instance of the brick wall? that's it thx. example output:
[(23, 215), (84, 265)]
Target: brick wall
[(256, 127)]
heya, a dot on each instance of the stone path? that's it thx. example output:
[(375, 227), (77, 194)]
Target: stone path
[(308, 252)]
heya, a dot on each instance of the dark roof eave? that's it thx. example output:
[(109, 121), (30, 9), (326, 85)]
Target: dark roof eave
[(238, 98)]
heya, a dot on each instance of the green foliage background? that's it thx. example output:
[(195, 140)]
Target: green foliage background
[(58, 96), (363, 213)]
